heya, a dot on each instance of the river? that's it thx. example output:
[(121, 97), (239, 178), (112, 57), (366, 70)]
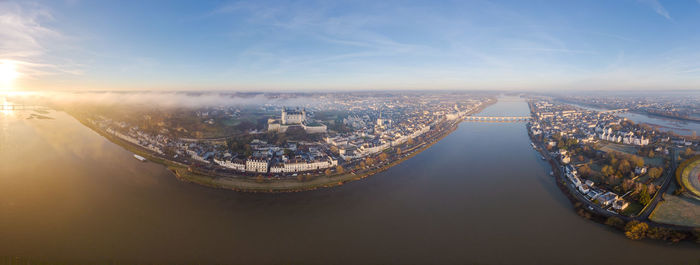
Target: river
[(481, 195), (680, 127)]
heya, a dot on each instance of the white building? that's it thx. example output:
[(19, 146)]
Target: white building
[(620, 204), (257, 165), (238, 165), (293, 116), (302, 165)]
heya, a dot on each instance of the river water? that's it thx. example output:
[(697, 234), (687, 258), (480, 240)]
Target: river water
[(481, 195)]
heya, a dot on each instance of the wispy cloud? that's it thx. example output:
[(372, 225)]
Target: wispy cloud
[(24, 37), (550, 50), (657, 7)]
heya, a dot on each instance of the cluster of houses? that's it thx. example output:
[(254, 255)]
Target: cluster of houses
[(268, 158), (360, 144), (587, 188), (137, 137), (276, 165), (609, 135), (265, 159), (583, 125)]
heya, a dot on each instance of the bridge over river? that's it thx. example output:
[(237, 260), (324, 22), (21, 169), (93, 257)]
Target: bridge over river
[(497, 118)]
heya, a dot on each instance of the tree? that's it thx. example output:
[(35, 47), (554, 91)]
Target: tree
[(612, 160), (624, 166), (651, 189), (659, 233), (607, 170), (655, 172), (644, 197), (637, 161), (696, 233), (651, 154), (247, 150), (328, 171), (383, 157), (585, 171), (259, 178), (627, 185), (688, 152), (339, 169), (410, 141), (636, 230), (398, 150)]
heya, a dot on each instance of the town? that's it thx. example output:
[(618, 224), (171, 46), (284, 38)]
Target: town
[(339, 132)]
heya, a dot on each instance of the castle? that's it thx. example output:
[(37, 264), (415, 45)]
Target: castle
[(294, 117)]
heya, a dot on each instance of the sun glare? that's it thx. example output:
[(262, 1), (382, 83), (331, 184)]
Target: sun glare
[(8, 74)]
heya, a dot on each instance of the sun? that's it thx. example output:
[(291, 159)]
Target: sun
[(8, 74)]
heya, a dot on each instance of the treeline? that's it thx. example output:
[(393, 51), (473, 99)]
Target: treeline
[(637, 230)]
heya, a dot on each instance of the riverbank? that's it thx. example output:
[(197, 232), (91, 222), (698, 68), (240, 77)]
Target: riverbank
[(242, 183)]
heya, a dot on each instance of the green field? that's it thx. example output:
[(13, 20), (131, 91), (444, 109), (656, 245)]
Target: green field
[(655, 162), (677, 210), (611, 147), (633, 208)]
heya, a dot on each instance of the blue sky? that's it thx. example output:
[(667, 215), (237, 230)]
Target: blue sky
[(364, 45)]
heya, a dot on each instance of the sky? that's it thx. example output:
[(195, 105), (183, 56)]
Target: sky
[(350, 45)]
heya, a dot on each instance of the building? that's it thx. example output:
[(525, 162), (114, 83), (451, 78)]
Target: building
[(640, 170), (231, 164), (607, 199), (620, 204), (293, 116), (300, 165), (257, 165), (565, 159)]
